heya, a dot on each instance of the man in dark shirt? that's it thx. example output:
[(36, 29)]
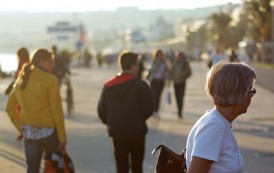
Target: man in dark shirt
[(61, 65), (124, 106)]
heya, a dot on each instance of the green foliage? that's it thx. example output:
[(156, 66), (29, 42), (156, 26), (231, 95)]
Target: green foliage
[(259, 15), (220, 27)]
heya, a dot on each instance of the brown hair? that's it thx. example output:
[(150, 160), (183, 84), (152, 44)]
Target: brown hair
[(157, 52), (23, 54), (39, 55), (127, 59)]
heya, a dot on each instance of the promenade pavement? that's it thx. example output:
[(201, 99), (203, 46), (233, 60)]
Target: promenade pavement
[(91, 149)]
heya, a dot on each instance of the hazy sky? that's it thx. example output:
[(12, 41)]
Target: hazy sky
[(94, 5)]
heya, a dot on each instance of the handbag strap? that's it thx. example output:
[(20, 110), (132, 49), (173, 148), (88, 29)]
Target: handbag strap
[(184, 160), (160, 146), (184, 168), (184, 153), (157, 148)]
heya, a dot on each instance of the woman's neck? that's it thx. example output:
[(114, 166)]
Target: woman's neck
[(228, 112)]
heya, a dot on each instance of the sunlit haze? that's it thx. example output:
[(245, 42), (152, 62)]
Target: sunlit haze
[(84, 5)]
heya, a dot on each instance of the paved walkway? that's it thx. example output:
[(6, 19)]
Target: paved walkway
[(265, 76), (90, 146)]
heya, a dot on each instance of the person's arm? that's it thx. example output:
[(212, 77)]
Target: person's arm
[(146, 101), (57, 110), (199, 165), (168, 70), (186, 73), (11, 109), (102, 107)]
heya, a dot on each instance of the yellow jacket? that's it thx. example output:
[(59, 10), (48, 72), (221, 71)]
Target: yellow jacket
[(40, 103)]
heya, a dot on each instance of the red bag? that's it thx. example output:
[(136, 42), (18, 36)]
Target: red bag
[(62, 164), (49, 167)]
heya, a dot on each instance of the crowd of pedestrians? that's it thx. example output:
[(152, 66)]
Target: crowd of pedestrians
[(127, 101)]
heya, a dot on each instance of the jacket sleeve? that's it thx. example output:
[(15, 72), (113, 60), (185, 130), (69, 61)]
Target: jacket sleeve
[(102, 107), (57, 110), (186, 71), (146, 101), (168, 70), (11, 109)]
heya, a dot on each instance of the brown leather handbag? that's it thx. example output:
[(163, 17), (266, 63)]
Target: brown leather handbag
[(170, 162), (61, 165)]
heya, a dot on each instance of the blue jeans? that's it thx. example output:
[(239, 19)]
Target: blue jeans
[(34, 150)]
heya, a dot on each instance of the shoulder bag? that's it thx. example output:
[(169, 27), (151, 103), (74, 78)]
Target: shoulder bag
[(9, 88), (170, 162)]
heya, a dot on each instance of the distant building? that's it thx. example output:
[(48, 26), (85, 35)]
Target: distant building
[(161, 29), (133, 39), (67, 36)]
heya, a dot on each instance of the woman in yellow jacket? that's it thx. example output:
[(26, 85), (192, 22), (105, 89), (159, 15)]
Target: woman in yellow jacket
[(41, 117)]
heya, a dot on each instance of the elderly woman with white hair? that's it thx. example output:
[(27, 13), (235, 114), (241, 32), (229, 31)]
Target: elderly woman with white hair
[(211, 144)]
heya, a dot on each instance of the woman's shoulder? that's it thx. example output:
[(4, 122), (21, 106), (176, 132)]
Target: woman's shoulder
[(45, 75), (212, 118)]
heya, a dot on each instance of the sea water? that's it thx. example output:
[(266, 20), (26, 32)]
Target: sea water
[(8, 62)]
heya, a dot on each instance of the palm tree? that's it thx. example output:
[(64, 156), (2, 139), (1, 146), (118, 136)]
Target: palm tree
[(259, 14), (220, 27)]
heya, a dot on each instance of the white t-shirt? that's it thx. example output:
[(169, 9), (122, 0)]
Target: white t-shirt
[(212, 138)]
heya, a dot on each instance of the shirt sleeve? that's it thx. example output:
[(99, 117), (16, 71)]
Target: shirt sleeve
[(208, 140), (102, 107), (146, 101)]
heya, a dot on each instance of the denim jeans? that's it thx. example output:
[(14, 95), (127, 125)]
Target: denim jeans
[(34, 150)]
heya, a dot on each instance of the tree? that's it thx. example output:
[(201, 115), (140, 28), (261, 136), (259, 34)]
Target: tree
[(196, 39), (259, 15), (220, 24), (238, 32)]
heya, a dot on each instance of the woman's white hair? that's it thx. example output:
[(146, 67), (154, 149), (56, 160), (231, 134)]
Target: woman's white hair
[(228, 83)]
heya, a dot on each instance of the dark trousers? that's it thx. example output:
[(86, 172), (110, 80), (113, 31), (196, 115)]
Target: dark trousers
[(157, 88), (179, 94), (129, 152)]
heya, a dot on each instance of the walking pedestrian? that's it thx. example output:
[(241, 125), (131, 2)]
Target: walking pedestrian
[(41, 117), (87, 58), (211, 144), (141, 67), (99, 58), (180, 72), (124, 106), (61, 64), (233, 57), (158, 74), (23, 58), (217, 56)]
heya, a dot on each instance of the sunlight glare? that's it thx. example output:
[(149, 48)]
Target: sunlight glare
[(84, 5)]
